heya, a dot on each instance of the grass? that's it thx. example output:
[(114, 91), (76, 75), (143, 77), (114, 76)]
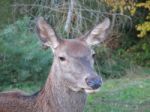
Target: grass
[(127, 94), (122, 95)]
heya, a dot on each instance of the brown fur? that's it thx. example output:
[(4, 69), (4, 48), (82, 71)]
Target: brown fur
[(49, 99), (54, 97)]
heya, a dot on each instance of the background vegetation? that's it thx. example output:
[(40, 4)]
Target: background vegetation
[(125, 54)]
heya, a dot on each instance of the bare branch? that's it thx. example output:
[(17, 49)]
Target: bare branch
[(69, 16), (113, 22), (35, 5)]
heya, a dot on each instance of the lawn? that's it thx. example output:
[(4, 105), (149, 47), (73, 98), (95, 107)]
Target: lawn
[(127, 94)]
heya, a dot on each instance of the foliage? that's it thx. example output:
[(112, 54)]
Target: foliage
[(5, 10), (138, 9), (132, 49), (140, 53), (120, 5), (144, 27), (109, 64), (21, 57)]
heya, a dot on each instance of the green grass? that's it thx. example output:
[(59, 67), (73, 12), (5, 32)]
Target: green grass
[(121, 95), (127, 94)]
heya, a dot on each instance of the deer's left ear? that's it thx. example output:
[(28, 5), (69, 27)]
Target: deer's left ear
[(98, 34)]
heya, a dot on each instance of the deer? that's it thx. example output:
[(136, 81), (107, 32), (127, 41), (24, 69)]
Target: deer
[(72, 76)]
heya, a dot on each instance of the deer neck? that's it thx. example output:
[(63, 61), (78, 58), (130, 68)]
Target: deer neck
[(58, 97)]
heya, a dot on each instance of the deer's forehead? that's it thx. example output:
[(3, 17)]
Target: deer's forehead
[(75, 48)]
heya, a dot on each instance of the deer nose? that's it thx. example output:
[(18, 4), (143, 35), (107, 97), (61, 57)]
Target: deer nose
[(94, 82)]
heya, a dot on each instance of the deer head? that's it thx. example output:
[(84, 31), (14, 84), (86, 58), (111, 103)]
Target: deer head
[(73, 58)]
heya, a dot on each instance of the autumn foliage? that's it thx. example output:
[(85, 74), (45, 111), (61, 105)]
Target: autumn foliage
[(137, 9)]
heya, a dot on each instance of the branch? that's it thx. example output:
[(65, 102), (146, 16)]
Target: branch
[(113, 22), (36, 5), (69, 16)]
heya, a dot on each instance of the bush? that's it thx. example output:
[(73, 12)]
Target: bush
[(139, 54), (21, 56), (110, 64)]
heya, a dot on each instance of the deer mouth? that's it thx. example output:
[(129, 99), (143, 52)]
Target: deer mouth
[(91, 90)]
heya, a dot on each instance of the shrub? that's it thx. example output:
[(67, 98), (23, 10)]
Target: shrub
[(139, 54), (109, 64), (21, 56)]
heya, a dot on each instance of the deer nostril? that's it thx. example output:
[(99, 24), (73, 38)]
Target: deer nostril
[(94, 82)]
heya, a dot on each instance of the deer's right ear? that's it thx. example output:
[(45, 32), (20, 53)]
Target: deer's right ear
[(46, 33)]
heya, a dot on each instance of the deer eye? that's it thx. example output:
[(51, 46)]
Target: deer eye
[(93, 55), (62, 58)]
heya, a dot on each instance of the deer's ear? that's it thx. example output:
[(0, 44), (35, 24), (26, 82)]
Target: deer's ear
[(99, 33), (46, 33)]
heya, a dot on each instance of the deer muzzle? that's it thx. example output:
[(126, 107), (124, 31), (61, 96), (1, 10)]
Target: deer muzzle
[(94, 82)]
